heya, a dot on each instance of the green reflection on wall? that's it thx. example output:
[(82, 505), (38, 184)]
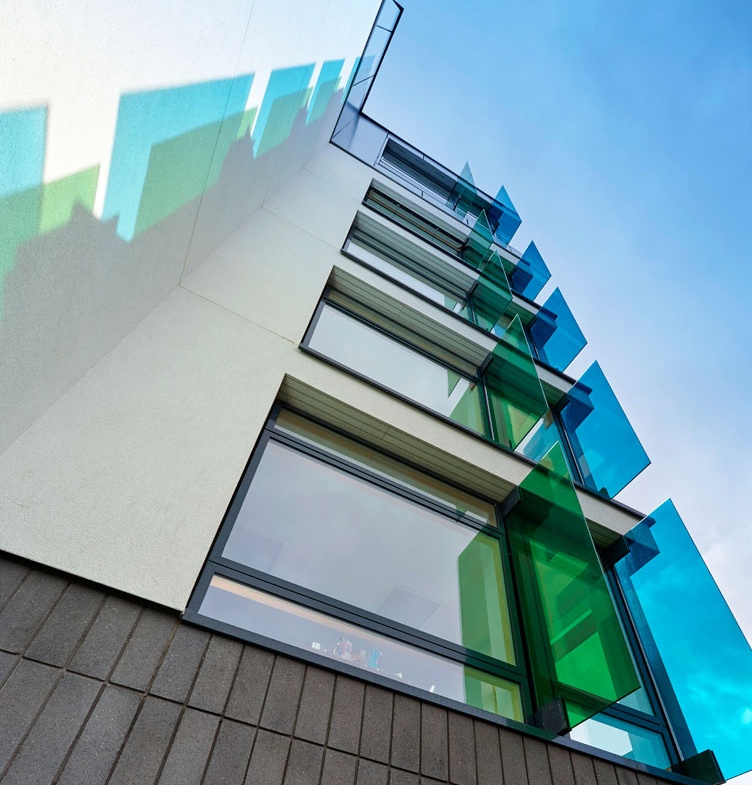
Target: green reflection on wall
[(577, 647), (60, 196)]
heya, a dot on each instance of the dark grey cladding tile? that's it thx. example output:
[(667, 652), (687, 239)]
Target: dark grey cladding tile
[(339, 768), (147, 743), (512, 757), (64, 628), (432, 781), (304, 763), (605, 772), (405, 752), (372, 773), (268, 759), (145, 649), (105, 639), (11, 575), (21, 698), (232, 751), (536, 759), (582, 766), (105, 731), (189, 752), (347, 710), (488, 753), (180, 664), (315, 705), (283, 695), (27, 608), (625, 776), (561, 765), (54, 731), (250, 685), (644, 779), (376, 731), (7, 661), (434, 752), (461, 749), (400, 777), (216, 675)]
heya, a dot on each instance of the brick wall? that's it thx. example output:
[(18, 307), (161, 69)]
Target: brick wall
[(98, 688)]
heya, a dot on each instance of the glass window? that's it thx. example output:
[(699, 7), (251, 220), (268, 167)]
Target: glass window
[(405, 370), (281, 620), (623, 738)]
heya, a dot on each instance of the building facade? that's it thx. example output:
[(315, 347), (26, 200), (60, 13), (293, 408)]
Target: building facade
[(296, 487)]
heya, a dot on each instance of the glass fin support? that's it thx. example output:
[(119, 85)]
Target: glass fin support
[(555, 333), (531, 273), (577, 647), (607, 451), (698, 654), (515, 396)]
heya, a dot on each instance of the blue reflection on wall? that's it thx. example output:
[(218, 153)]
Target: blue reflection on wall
[(22, 142), (555, 333), (326, 86), (531, 273), (148, 118), (691, 636), (605, 446)]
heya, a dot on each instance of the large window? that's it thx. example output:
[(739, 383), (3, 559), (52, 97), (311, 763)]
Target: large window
[(338, 551)]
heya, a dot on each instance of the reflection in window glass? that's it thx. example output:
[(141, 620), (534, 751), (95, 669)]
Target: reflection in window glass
[(398, 367), (272, 617), (622, 738), (341, 536), (463, 504)]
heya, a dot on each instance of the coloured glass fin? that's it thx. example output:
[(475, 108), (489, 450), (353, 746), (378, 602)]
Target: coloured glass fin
[(491, 295), (477, 247), (606, 448), (515, 395), (555, 333), (577, 647), (504, 217), (464, 192), (694, 646), (531, 273)]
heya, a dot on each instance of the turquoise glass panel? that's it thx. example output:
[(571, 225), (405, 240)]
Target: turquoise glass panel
[(697, 651), (576, 644), (464, 192), (531, 273), (477, 247), (606, 448), (555, 333), (623, 738), (491, 295), (504, 217)]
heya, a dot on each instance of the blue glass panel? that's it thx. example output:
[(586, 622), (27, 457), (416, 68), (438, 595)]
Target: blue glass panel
[(531, 273), (691, 637), (555, 333), (504, 217), (605, 446)]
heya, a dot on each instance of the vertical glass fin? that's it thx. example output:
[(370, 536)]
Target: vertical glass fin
[(577, 647), (491, 295), (605, 446), (555, 333), (695, 648), (515, 396), (477, 247), (531, 273), (504, 217), (464, 192)]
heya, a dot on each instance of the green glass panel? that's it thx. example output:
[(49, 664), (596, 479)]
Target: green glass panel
[(477, 247), (577, 647), (491, 296), (491, 693), (515, 395), (463, 194), (59, 197)]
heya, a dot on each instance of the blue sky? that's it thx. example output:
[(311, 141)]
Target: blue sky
[(623, 133)]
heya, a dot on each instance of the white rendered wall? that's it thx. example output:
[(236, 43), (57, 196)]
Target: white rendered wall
[(125, 479)]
